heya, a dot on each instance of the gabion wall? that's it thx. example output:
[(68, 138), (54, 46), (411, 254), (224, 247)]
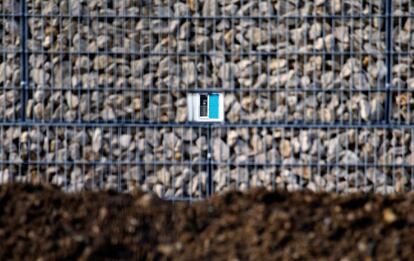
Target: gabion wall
[(318, 94)]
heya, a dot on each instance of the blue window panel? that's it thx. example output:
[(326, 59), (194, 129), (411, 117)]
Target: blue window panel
[(214, 106)]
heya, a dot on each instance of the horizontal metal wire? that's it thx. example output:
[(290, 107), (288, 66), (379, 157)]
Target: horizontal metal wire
[(114, 89), (106, 162), (215, 53), (201, 17), (149, 124), (315, 165), (72, 163)]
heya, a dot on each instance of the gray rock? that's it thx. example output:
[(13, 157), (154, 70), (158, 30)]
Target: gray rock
[(256, 36), (232, 137), (182, 9), (164, 176), (305, 141), (97, 140), (153, 137), (377, 70), (189, 73), (36, 136), (125, 141), (327, 115), (111, 183), (385, 189), (40, 77), (38, 111), (185, 31), (410, 84), (170, 140), (325, 43), (285, 148), (5, 176), (76, 8), (360, 81), (400, 69), (80, 43), (75, 151), (203, 43), (351, 66), (101, 62), (210, 8), (103, 42), (315, 31), (221, 151), (50, 8), (349, 157), (82, 63), (62, 75), (173, 25), (341, 33), (284, 7), (277, 64), (138, 67), (61, 155), (364, 109), (158, 189), (39, 95), (233, 115), (186, 134), (72, 100), (108, 113), (58, 180)]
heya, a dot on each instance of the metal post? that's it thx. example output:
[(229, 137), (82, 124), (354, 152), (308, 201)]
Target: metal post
[(23, 58), (209, 185), (388, 42)]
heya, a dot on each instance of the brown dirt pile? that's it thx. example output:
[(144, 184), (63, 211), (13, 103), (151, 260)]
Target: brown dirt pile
[(44, 223)]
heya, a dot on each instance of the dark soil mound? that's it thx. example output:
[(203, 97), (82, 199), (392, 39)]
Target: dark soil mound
[(43, 223)]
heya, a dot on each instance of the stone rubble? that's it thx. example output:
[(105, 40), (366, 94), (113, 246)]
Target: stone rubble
[(291, 69), (111, 62), (342, 160)]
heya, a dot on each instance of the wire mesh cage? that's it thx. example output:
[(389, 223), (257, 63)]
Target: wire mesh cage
[(317, 94)]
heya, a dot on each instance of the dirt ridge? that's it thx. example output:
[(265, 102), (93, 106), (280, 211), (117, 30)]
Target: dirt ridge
[(43, 223)]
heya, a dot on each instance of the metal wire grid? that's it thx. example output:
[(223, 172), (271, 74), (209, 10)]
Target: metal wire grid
[(275, 81), (402, 59), (10, 91), (120, 71), (115, 158)]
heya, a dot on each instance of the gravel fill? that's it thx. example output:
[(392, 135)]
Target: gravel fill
[(304, 62), (174, 162), (94, 68)]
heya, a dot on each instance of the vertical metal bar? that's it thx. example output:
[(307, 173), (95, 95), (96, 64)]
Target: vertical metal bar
[(388, 83), (388, 42), (24, 75), (412, 167), (23, 58), (209, 185)]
